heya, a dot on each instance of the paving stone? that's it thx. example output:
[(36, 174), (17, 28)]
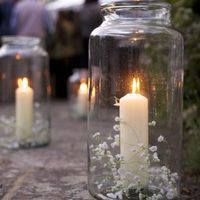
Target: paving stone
[(58, 171), (55, 172)]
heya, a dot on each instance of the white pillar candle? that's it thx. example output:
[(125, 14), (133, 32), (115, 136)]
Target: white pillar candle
[(134, 133), (24, 110), (82, 99)]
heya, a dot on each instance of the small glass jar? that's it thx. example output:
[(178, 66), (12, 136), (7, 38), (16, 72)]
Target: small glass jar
[(24, 93), (78, 90), (135, 119)]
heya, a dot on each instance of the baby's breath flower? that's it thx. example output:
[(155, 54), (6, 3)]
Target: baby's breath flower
[(170, 194), (175, 176), (161, 138), (155, 157), (119, 157), (111, 195), (113, 145), (116, 127), (99, 186), (119, 195), (116, 101), (105, 165), (104, 146), (165, 170), (117, 119), (96, 135), (162, 183), (108, 153), (159, 196), (153, 148), (117, 139), (109, 138), (153, 123)]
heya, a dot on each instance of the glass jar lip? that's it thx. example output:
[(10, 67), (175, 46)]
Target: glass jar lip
[(21, 40), (115, 4)]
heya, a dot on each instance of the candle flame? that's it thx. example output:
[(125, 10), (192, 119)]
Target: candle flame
[(136, 85), (22, 83), (83, 88)]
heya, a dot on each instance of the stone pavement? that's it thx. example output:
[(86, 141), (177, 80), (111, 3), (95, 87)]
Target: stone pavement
[(58, 171), (55, 172)]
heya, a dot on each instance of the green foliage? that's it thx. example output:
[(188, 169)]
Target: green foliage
[(186, 18)]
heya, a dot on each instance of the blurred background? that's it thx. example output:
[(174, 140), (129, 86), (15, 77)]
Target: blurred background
[(64, 27)]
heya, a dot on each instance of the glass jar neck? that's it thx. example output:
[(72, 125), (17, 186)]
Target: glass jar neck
[(20, 41), (143, 11)]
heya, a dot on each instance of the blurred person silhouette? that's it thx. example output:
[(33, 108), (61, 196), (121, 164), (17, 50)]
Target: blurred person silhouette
[(30, 18), (64, 52), (90, 18), (6, 7)]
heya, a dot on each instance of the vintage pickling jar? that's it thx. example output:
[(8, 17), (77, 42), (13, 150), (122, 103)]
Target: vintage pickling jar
[(24, 93), (135, 115)]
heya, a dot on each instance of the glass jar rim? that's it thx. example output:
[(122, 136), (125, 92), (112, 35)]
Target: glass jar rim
[(21, 40), (143, 11), (114, 4)]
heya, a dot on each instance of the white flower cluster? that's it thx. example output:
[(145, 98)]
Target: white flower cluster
[(8, 124), (117, 119), (116, 127), (153, 148), (153, 123), (161, 138), (155, 157), (117, 195), (99, 151), (162, 182)]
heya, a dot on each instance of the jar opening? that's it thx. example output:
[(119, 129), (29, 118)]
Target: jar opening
[(21, 40), (134, 9), (108, 2)]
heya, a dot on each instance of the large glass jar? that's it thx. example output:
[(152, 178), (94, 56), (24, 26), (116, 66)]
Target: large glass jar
[(135, 116), (24, 93)]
